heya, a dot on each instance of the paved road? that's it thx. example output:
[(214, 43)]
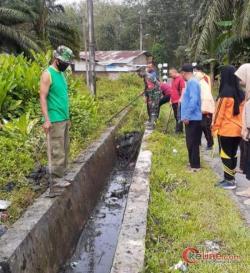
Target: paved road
[(242, 182)]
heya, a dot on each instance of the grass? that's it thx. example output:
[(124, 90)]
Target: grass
[(112, 96), (186, 209), (135, 119)]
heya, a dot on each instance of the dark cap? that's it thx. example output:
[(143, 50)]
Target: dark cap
[(187, 68)]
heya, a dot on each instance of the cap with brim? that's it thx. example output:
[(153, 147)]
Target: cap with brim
[(64, 54), (187, 68)]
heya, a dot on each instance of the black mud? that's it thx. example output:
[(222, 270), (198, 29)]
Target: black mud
[(97, 244)]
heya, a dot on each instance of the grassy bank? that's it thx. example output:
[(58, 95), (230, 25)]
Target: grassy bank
[(186, 210)]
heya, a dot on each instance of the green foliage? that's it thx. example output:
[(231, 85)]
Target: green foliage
[(116, 25), (35, 24), (6, 84), (22, 141), (21, 198), (221, 31), (169, 24), (166, 24), (110, 102), (21, 126), (18, 85), (159, 52), (84, 111), (131, 123), (12, 35), (16, 160), (130, 80)]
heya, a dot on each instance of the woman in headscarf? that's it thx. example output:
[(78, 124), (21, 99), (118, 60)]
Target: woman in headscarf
[(243, 73), (227, 123)]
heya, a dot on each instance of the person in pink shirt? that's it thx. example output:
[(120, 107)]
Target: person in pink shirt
[(165, 89), (177, 88), (166, 93)]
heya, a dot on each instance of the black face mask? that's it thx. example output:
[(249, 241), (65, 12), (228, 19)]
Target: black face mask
[(62, 66)]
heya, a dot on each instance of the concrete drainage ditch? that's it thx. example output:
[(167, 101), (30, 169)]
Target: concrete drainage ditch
[(84, 230), (96, 247)]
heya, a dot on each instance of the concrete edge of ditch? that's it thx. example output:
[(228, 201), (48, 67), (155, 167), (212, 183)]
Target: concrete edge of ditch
[(130, 251), (45, 236)]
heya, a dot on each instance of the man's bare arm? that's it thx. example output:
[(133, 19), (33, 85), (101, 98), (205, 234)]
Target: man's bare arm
[(44, 90)]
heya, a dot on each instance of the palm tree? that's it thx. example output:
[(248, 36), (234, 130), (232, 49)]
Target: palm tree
[(49, 23), (212, 12), (242, 21), (12, 35), (218, 27), (205, 23), (34, 24)]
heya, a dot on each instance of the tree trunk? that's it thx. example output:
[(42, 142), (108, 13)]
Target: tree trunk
[(212, 73)]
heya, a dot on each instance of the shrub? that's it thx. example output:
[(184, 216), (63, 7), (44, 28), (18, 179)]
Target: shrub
[(84, 112), (21, 136), (16, 160)]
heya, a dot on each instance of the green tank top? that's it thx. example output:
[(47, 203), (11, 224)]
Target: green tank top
[(57, 99)]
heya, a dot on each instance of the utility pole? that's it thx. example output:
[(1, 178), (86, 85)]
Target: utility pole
[(86, 37), (87, 58), (91, 47), (141, 32)]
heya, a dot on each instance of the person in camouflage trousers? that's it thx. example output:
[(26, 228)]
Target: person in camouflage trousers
[(152, 93)]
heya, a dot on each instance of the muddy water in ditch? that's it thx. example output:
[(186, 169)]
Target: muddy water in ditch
[(97, 244)]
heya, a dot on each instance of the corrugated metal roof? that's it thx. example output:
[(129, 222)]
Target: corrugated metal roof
[(110, 57)]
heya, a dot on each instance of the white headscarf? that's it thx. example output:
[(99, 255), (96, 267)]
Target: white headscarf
[(243, 73)]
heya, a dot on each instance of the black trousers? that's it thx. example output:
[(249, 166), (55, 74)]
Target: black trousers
[(243, 154), (245, 158), (179, 124), (164, 100), (228, 153), (193, 140), (206, 128)]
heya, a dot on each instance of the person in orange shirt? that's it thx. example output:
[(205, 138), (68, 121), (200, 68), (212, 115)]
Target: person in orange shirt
[(227, 123)]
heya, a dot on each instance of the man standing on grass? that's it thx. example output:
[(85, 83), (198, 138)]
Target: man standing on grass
[(178, 85), (55, 108), (191, 116), (152, 94)]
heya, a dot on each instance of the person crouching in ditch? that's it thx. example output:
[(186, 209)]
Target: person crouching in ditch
[(55, 109)]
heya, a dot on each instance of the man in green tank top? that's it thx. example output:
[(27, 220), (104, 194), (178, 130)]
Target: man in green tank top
[(55, 108)]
